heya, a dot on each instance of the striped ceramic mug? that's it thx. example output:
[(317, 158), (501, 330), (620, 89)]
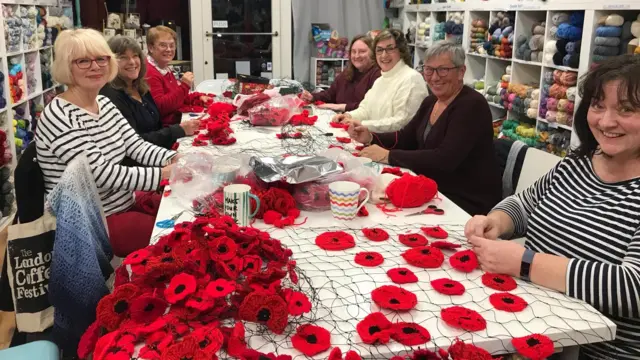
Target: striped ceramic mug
[(237, 203), (344, 197)]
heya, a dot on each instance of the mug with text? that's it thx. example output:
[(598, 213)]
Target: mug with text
[(237, 203), (344, 199)]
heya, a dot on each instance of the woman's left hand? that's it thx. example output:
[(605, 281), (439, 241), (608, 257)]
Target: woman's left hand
[(334, 107), (376, 153), (498, 256)]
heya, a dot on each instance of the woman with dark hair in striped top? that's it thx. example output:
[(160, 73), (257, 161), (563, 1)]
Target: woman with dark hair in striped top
[(582, 219)]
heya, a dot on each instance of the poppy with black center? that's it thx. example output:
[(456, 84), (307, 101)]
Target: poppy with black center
[(369, 258), (424, 257), (413, 240), (335, 240), (114, 308), (448, 286), (507, 302), (222, 248), (311, 340), (402, 276), (298, 303), (180, 286), (499, 282), (374, 328), (145, 309), (220, 288), (435, 232), (410, 334), (375, 234), (534, 346), (394, 298), (266, 308), (465, 261), (463, 318)]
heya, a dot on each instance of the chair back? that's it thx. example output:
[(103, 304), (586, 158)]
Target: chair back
[(29, 185), (536, 164), (213, 86), (510, 157)]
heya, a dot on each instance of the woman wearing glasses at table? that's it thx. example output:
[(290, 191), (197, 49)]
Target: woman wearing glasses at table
[(168, 93), (81, 122), (450, 138), (396, 95)]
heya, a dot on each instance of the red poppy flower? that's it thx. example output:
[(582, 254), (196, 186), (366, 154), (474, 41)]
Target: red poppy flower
[(402, 276), (187, 349), (222, 248), (448, 286), (231, 269), (311, 340), (344, 140), (460, 350), (247, 248), (499, 282), (335, 354), (444, 354), (394, 298), (465, 261), (89, 339), (114, 308), (209, 338), (507, 302), (181, 286), (445, 245), (435, 232), (374, 328), (424, 257), (375, 234), (137, 257), (220, 288), (335, 240), (145, 309), (463, 318), (352, 355), (122, 276), (117, 345), (236, 344), (298, 303), (251, 354), (269, 309), (200, 301), (534, 346), (425, 354), (413, 240), (409, 334), (155, 344), (369, 258), (251, 264)]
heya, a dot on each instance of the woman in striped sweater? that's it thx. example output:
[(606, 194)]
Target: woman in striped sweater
[(582, 219), (81, 122)]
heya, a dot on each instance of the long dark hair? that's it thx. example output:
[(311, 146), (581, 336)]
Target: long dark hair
[(624, 68), (119, 45), (350, 71), (401, 44)]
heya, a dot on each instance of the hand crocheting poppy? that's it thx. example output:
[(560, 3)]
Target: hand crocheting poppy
[(335, 240), (220, 288), (465, 261), (374, 328), (402, 276), (445, 245), (344, 140), (409, 334), (435, 232), (269, 309), (507, 302), (448, 286), (311, 340), (394, 298), (534, 346), (413, 240), (146, 308), (114, 308), (369, 258), (499, 282), (463, 318), (460, 350), (424, 257), (297, 302), (375, 234), (222, 248)]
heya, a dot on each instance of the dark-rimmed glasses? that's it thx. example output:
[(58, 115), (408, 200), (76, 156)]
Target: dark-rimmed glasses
[(441, 71), (85, 63), (388, 49)]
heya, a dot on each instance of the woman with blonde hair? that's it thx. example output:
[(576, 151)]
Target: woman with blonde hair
[(82, 122)]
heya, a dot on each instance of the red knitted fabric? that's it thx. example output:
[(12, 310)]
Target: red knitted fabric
[(411, 191)]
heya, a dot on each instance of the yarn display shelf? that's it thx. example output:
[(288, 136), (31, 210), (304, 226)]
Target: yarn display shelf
[(558, 67), (555, 124), (533, 63), (33, 96), (313, 69)]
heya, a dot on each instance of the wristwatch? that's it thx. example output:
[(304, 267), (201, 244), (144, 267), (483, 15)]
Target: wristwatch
[(525, 266)]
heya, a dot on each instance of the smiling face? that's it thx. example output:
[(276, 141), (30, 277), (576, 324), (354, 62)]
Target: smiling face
[(91, 73), (128, 66), (387, 54), (360, 55), (443, 77), (163, 50)]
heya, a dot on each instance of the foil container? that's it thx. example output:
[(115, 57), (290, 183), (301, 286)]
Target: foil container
[(293, 169)]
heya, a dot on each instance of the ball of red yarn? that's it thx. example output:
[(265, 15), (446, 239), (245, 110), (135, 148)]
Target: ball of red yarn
[(411, 191)]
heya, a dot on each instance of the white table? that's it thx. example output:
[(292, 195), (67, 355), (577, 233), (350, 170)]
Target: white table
[(342, 288)]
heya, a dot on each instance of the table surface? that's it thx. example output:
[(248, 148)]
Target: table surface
[(341, 289)]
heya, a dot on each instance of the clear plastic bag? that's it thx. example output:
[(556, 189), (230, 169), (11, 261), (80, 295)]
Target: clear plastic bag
[(275, 112)]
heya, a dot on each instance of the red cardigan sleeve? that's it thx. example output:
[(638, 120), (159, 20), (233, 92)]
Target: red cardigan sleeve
[(167, 96)]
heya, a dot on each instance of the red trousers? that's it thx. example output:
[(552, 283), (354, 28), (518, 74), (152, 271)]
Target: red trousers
[(131, 230)]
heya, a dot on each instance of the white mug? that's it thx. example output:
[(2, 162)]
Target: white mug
[(237, 203), (344, 197)]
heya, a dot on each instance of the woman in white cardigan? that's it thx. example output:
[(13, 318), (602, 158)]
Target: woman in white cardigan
[(396, 95)]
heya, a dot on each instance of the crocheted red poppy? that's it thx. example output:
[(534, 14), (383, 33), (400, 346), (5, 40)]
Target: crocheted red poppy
[(137, 257), (534, 346), (409, 334), (363, 212), (311, 340), (448, 286), (236, 343), (374, 328), (266, 309), (222, 248), (251, 354), (251, 264), (435, 232), (445, 245), (413, 240), (465, 261), (209, 338), (338, 125), (422, 354), (375, 234), (344, 140), (229, 270), (89, 339), (117, 345), (335, 240), (394, 298), (114, 308), (201, 301), (220, 288), (187, 349), (463, 318), (298, 303), (499, 282), (155, 344), (352, 355), (444, 354), (424, 257), (507, 302), (402, 276), (460, 350), (369, 258), (181, 286), (146, 308)]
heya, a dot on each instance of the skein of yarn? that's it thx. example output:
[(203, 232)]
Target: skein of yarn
[(411, 191)]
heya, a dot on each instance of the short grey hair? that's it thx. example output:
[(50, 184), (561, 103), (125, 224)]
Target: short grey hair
[(455, 52)]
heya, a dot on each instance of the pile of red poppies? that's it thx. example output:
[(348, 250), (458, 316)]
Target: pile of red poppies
[(215, 130), (194, 102)]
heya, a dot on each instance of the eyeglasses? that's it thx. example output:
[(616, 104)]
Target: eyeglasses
[(166, 46), (85, 63), (442, 71), (388, 49)]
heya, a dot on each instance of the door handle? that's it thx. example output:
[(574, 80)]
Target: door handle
[(212, 34)]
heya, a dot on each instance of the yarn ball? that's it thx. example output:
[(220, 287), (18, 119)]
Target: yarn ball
[(552, 104), (559, 18), (557, 74), (562, 117), (411, 191), (626, 30), (536, 42), (571, 60), (534, 104), (522, 39), (601, 58), (551, 116), (609, 31), (570, 107), (537, 30), (532, 113), (606, 41), (614, 20), (571, 93), (507, 70), (573, 47), (562, 104), (606, 50), (536, 56), (570, 32), (577, 19), (557, 91), (561, 46), (535, 95), (557, 59), (568, 78), (550, 47), (553, 32)]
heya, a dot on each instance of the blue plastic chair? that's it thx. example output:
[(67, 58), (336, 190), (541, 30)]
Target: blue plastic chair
[(41, 350)]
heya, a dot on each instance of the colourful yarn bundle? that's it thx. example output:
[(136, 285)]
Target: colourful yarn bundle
[(411, 191), (500, 39), (558, 96), (566, 33), (530, 47), (608, 37), (478, 35)]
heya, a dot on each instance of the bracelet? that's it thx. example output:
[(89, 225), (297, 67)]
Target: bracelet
[(525, 265)]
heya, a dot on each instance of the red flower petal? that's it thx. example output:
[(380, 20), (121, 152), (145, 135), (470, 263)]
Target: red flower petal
[(435, 232), (463, 318), (363, 212), (114, 308), (402, 276), (220, 288), (424, 257), (209, 338), (269, 309), (311, 340), (410, 334), (200, 301), (137, 257), (271, 216), (499, 282), (344, 140), (443, 354), (507, 302), (335, 240), (445, 245), (335, 354), (448, 286), (374, 328), (413, 240), (465, 261), (460, 350), (298, 303), (89, 339), (186, 349), (237, 345), (222, 248), (146, 309), (181, 286), (375, 234), (394, 298), (352, 355), (369, 258), (251, 264), (534, 346)]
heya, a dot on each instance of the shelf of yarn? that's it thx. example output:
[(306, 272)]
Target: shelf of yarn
[(17, 81), (454, 26), (22, 130), (439, 21), (423, 31), (478, 31), (616, 33), (7, 198), (32, 69), (557, 102), (326, 70), (529, 34), (554, 141), (497, 79), (564, 38), (520, 130), (46, 60), (499, 37), (28, 15)]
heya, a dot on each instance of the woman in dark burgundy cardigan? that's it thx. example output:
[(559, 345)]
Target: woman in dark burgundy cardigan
[(450, 138), (349, 88)]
